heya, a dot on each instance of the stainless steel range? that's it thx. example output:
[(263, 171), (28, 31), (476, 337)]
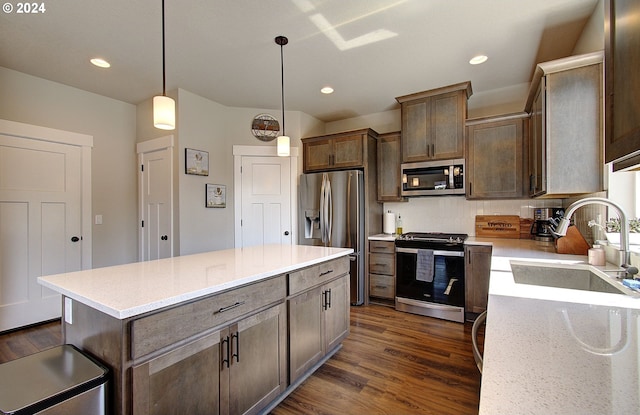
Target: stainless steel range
[(430, 274)]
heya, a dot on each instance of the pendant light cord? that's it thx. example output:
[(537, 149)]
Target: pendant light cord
[(164, 77), (282, 84), (282, 40)]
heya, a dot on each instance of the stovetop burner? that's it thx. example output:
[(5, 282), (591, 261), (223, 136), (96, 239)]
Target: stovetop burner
[(434, 237)]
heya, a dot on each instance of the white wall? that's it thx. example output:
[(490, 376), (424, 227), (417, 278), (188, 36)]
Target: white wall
[(112, 124), (592, 38), (206, 125)]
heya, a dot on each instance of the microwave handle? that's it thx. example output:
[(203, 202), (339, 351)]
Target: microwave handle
[(435, 253)]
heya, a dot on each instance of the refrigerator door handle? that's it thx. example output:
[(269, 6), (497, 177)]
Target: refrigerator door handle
[(329, 211), (322, 219), (325, 209)]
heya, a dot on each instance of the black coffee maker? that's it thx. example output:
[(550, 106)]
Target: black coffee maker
[(542, 219)]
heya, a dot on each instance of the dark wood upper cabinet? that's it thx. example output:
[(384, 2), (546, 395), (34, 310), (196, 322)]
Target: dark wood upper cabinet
[(433, 123), (622, 62)]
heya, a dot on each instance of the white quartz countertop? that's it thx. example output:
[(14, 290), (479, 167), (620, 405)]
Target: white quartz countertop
[(554, 350), (383, 237), (128, 290)]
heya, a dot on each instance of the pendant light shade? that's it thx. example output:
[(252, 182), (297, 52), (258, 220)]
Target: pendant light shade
[(164, 107), (164, 112), (284, 142)]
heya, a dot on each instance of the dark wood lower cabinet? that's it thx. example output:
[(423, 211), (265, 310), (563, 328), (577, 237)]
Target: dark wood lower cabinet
[(237, 370), (318, 323), (257, 362), (183, 381)]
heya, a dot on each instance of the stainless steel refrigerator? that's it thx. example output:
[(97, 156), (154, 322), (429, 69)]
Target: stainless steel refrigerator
[(331, 213)]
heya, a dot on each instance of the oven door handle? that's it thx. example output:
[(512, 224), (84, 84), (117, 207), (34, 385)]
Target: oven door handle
[(426, 304), (435, 253)]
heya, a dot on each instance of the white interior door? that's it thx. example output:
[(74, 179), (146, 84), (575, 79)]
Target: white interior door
[(40, 225), (156, 196), (266, 200)]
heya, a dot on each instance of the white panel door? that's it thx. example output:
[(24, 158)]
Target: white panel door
[(266, 200), (40, 225), (156, 201)]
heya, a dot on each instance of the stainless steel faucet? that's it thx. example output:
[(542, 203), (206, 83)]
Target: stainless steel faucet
[(563, 225)]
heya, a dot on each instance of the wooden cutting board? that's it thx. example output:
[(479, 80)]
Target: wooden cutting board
[(498, 226), (572, 243)]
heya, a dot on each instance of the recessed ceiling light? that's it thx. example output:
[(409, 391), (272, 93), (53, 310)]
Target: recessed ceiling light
[(327, 90), (477, 60), (101, 63)]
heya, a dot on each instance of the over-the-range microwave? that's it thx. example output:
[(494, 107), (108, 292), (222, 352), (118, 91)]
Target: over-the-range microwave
[(433, 178)]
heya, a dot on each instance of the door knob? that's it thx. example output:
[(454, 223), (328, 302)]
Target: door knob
[(286, 233), (74, 239)]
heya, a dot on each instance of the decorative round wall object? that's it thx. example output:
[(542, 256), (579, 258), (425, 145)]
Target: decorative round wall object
[(265, 127)]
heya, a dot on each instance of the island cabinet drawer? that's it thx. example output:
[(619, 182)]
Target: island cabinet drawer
[(167, 327), (317, 274)]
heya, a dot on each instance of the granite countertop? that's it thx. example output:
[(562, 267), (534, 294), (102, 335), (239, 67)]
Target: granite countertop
[(554, 350), (128, 290)]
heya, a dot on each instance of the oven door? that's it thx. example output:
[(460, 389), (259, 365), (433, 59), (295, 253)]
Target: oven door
[(447, 287)]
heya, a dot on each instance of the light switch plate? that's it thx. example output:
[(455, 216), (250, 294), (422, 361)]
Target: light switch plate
[(98, 220)]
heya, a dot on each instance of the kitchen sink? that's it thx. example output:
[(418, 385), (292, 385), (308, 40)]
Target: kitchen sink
[(575, 277)]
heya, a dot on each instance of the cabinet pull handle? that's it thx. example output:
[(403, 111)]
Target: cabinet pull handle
[(227, 308), (381, 286), (322, 274), (225, 355), (324, 300), (329, 300), (470, 189), (237, 353)]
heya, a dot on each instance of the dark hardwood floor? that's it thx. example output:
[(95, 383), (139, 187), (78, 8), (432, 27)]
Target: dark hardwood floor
[(391, 363), (20, 343)]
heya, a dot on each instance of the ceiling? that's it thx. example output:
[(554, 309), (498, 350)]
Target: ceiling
[(369, 51)]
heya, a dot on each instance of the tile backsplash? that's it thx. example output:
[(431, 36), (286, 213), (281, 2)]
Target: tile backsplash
[(456, 214)]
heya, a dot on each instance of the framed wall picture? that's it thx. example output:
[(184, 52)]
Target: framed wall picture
[(216, 195), (196, 162)]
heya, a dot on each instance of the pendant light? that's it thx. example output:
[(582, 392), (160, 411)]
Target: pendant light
[(284, 142), (164, 107)]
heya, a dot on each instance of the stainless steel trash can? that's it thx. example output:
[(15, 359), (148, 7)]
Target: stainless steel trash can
[(61, 380)]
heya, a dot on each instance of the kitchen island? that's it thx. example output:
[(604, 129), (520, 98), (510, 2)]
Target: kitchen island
[(554, 350), (212, 332)]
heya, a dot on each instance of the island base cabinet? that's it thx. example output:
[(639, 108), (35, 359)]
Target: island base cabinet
[(236, 370), (257, 362), (336, 312), (305, 332), (183, 381), (318, 322)]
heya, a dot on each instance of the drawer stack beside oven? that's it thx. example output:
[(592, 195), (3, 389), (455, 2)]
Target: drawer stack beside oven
[(382, 268)]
